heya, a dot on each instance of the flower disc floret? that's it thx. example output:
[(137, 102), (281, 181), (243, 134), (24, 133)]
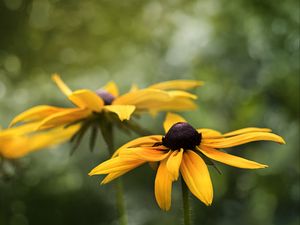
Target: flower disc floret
[(181, 135), (107, 97)]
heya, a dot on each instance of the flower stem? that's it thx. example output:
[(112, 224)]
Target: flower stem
[(185, 203), (120, 203)]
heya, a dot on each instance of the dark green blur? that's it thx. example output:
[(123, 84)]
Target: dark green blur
[(247, 52)]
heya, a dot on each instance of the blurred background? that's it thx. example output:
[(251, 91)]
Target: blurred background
[(247, 52)]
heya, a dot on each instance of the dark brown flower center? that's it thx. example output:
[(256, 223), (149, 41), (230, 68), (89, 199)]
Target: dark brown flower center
[(182, 135), (107, 97)]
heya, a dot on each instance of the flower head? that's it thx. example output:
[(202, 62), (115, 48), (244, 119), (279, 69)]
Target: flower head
[(183, 150), (97, 109), (107, 99)]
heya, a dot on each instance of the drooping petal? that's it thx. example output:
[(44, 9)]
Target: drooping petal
[(171, 119), (19, 130), (117, 164), (175, 104), (230, 160), (17, 146), (143, 99), (35, 113), (64, 118), (242, 139), (182, 94), (111, 176), (195, 174), (144, 153), (112, 88), (173, 163), (177, 84), (163, 186), (140, 142), (246, 130), (123, 111), (87, 99), (62, 86), (209, 133)]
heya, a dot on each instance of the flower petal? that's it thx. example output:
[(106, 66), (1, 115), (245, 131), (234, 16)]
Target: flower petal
[(177, 84), (116, 165), (143, 99), (19, 130), (20, 145), (62, 86), (183, 94), (195, 174), (123, 111), (242, 139), (175, 104), (143, 153), (112, 88), (173, 163), (230, 160), (246, 130), (87, 99), (209, 133), (163, 186), (64, 118), (111, 176), (171, 119), (35, 113), (140, 142)]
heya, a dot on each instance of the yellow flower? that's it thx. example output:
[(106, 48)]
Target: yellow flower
[(183, 150), (18, 142), (164, 96)]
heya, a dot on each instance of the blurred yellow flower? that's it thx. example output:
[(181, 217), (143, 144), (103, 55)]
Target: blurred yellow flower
[(159, 97), (18, 142), (183, 150)]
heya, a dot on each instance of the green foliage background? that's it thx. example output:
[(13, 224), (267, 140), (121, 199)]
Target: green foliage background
[(247, 52)]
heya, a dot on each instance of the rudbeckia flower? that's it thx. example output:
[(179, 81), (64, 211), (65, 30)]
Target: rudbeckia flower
[(183, 150), (162, 96), (18, 142), (101, 108)]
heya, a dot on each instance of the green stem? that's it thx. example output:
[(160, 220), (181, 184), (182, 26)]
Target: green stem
[(185, 203), (118, 184)]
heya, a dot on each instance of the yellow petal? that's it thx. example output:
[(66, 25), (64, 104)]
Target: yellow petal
[(140, 142), (111, 176), (246, 130), (180, 94), (116, 165), (19, 130), (175, 104), (177, 84), (112, 88), (35, 113), (173, 163), (163, 187), (171, 119), (209, 133), (143, 99), (87, 99), (123, 111), (143, 153), (230, 160), (64, 118), (133, 88), (62, 86), (196, 176), (242, 139), (17, 146)]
